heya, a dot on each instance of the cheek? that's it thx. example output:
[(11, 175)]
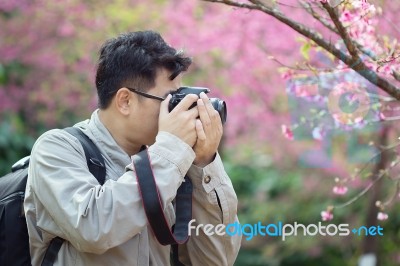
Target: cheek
[(153, 118), (157, 113), (149, 115)]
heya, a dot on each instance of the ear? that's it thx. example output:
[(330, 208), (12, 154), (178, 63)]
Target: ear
[(123, 100)]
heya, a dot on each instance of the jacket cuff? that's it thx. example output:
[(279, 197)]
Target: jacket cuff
[(174, 150), (209, 177)]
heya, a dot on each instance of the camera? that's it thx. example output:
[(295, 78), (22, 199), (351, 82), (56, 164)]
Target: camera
[(180, 93)]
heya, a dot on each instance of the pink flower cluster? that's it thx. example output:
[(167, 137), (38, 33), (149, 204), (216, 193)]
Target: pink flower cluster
[(340, 190), (287, 132), (326, 215), (382, 216), (360, 20)]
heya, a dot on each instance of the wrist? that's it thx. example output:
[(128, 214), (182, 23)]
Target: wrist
[(203, 161)]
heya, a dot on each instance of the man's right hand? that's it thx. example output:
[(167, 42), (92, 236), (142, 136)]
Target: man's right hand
[(181, 121)]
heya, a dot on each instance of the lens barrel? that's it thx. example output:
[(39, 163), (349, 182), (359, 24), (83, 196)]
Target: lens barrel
[(220, 106)]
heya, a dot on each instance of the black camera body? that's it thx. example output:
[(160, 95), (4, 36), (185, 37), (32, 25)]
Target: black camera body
[(180, 93)]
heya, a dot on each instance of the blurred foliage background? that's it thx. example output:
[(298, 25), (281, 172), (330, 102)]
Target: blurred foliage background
[(48, 52)]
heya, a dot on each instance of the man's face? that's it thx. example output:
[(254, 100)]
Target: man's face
[(147, 110)]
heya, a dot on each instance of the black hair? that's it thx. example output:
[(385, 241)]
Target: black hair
[(132, 60)]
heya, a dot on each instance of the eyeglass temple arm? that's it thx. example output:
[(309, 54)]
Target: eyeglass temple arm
[(147, 95)]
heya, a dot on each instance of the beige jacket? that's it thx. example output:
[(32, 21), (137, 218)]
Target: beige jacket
[(106, 225)]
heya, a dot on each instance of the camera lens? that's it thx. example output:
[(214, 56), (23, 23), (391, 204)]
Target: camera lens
[(220, 106)]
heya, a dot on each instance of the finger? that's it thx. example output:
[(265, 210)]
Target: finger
[(201, 135), (164, 106), (204, 115), (187, 101), (193, 113), (216, 118), (207, 102)]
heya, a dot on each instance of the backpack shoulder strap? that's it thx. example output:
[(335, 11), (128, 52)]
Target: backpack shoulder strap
[(94, 159), (95, 162)]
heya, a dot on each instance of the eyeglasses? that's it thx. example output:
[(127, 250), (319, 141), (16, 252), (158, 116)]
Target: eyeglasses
[(146, 94)]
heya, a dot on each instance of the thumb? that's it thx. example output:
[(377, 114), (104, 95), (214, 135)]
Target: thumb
[(164, 106)]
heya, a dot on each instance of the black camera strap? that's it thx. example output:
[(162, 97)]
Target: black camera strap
[(153, 206)]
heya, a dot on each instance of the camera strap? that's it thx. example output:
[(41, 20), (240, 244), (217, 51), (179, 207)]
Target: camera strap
[(153, 207)]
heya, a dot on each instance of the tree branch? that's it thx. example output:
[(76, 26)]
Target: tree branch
[(318, 17), (394, 195), (358, 66), (343, 33), (329, 26), (396, 75)]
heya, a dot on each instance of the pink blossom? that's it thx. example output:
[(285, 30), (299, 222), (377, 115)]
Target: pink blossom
[(370, 29), (346, 16), (326, 215), (337, 118), (318, 133), (287, 74), (306, 90), (363, 4), (382, 216), (287, 132), (358, 119), (382, 116), (340, 190)]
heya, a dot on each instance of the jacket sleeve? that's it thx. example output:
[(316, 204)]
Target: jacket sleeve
[(75, 207), (214, 202)]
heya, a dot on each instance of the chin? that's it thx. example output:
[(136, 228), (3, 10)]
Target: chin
[(150, 141)]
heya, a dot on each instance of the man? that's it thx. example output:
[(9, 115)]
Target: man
[(106, 224)]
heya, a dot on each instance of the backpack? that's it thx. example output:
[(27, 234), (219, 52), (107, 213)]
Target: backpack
[(14, 239)]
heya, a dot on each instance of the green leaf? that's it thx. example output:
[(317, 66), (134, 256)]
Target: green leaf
[(305, 50), (3, 76)]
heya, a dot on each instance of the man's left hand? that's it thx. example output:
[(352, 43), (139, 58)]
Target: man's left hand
[(209, 132)]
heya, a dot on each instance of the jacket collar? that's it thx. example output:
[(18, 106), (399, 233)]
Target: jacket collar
[(96, 130)]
